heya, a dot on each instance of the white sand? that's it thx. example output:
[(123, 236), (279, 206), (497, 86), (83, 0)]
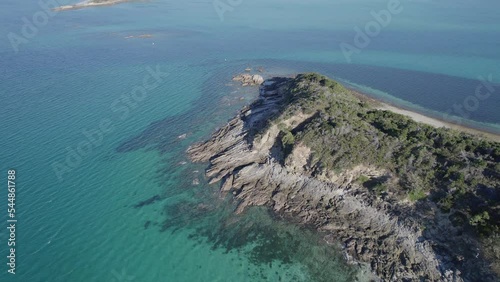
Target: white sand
[(438, 123)]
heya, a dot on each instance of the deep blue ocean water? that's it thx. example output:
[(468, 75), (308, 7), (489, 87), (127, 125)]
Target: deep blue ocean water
[(128, 210)]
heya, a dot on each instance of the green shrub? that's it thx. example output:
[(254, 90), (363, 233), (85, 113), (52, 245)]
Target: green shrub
[(446, 203), (362, 179), (416, 195), (480, 219), (379, 189), (288, 139)]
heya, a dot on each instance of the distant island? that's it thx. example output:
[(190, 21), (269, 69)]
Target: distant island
[(411, 201), (90, 3)]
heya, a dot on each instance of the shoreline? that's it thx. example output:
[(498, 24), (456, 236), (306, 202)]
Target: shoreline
[(426, 119)]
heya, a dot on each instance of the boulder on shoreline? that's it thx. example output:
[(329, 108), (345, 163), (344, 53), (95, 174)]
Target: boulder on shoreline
[(248, 79)]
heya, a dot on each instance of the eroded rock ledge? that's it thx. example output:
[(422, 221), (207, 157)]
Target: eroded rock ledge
[(247, 156)]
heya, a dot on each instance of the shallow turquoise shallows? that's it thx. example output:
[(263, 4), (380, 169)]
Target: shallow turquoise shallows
[(99, 105)]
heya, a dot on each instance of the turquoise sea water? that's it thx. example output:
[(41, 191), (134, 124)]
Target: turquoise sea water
[(128, 209)]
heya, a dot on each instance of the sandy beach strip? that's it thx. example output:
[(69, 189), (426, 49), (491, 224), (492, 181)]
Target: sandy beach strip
[(418, 117)]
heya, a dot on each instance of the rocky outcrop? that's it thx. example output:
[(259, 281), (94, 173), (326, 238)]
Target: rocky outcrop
[(248, 79), (245, 155)]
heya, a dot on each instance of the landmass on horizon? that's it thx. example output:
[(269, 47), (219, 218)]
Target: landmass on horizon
[(90, 3), (411, 201)]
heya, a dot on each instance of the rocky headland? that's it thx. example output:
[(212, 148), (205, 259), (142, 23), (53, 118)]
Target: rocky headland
[(413, 202)]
